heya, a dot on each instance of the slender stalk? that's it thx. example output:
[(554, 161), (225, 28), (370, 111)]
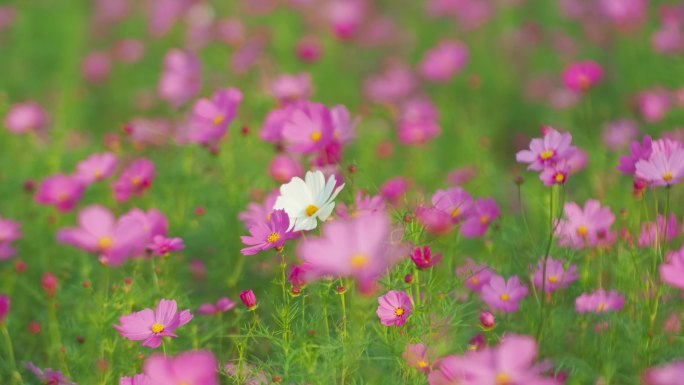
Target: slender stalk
[(15, 376), (542, 314)]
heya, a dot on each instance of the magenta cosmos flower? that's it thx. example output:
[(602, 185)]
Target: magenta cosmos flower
[(222, 305), (284, 167), (268, 234), (599, 301), (637, 152), (665, 232), (96, 167), (393, 189), (418, 122), (672, 271), (248, 299), (10, 231), (151, 326), (417, 356), (180, 79), (395, 84), (4, 307), (585, 227), (99, 232), (553, 147), (653, 104), (665, 165), (668, 374), (618, 134), (557, 277), (138, 379), (474, 275), (25, 117), (197, 367), (49, 376), (210, 117), (134, 180), (582, 76), (423, 258), (483, 213), (61, 191), (503, 295), (362, 248), (162, 245), (288, 88), (394, 308), (455, 202), (511, 362), (441, 63), (308, 129), (435, 221)]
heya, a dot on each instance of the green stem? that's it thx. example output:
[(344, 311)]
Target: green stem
[(15, 376), (542, 314)]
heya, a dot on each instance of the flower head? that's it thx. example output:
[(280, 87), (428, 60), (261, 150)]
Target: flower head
[(287, 88), (198, 367), (256, 213), (268, 234), (582, 76), (96, 167), (651, 232), (441, 63), (585, 227), (49, 376), (394, 308), (668, 374), (552, 148), (151, 326), (483, 213), (417, 356), (557, 277), (306, 201), (308, 129), (423, 257), (60, 190), (672, 270), (248, 299), (134, 180), (162, 245), (474, 275), (210, 117), (222, 305), (503, 295), (25, 117), (599, 301), (455, 201), (180, 79), (664, 166)]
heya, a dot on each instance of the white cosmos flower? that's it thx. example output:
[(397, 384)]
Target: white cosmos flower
[(307, 200)]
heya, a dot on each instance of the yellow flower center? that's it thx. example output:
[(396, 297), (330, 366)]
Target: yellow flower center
[(136, 181), (61, 197), (311, 210), (422, 364), (601, 307), (273, 238), (104, 243), (546, 155), (582, 230), (218, 119), (503, 379), (157, 328), (359, 260), (474, 280), (97, 174), (399, 312), (667, 176), (316, 136), (560, 177), (484, 219), (583, 81), (504, 297), (455, 212), (553, 279)]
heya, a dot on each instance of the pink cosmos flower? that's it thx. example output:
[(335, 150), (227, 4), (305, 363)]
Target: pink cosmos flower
[(100, 233), (599, 301), (417, 356), (25, 117), (198, 367), (556, 275), (663, 167), (363, 204), (287, 88), (618, 134), (345, 17), (62, 191), (343, 124), (553, 147), (138, 379), (474, 275), (248, 299), (483, 213), (653, 104), (151, 326), (503, 295), (585, 227), (230, 31), (557, 173), (454, 201), (418, 123), (441, 63), (668, 374), (637, 152), (391, 86), (134, 180), (272, 128), (672, 270), (624, 13), (650, 232), (668, 40), (10, 231), (284, 167), (210, 117), (393, 189), (308, 129), (257, 213), (152, 132), (222, 305), (511, 362), (154, 223), (162, 246), (581, 76), (180, 79), (309, 49), (96, 66), (268, 234), (129, 51), (362, 248), (96, 167), (4, 307), (435, 221), (49, 376), (423, 257), (394, 308)]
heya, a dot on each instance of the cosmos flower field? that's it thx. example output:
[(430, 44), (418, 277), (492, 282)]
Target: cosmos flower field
[(441, 192)]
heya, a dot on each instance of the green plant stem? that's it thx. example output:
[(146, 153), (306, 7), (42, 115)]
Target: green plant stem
[(15, 376)]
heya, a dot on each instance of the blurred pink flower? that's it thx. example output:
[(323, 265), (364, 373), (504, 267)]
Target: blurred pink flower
[(435, 220), (257, 213), (444, 61), (672, 270), (557, 277), (455, 201), (162, 246), (484, 211), (222, 305), (134, 180), (653, 104), (667, 374), (618, 134), (393, 189), (4, 307), (128, 50), (474, 275), (25, 117), (62, 191), (210, 117), (585, 227), (96, 67), (197, 367), (96, 167), (181, 77), (417, 356), (395, 84), (418, 122), (287, 88), (138, 379), (599, 301), (637, 152), (581, 76), (308, 129), (503, 295), (152, 326), (664, 232), (394, 308)]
